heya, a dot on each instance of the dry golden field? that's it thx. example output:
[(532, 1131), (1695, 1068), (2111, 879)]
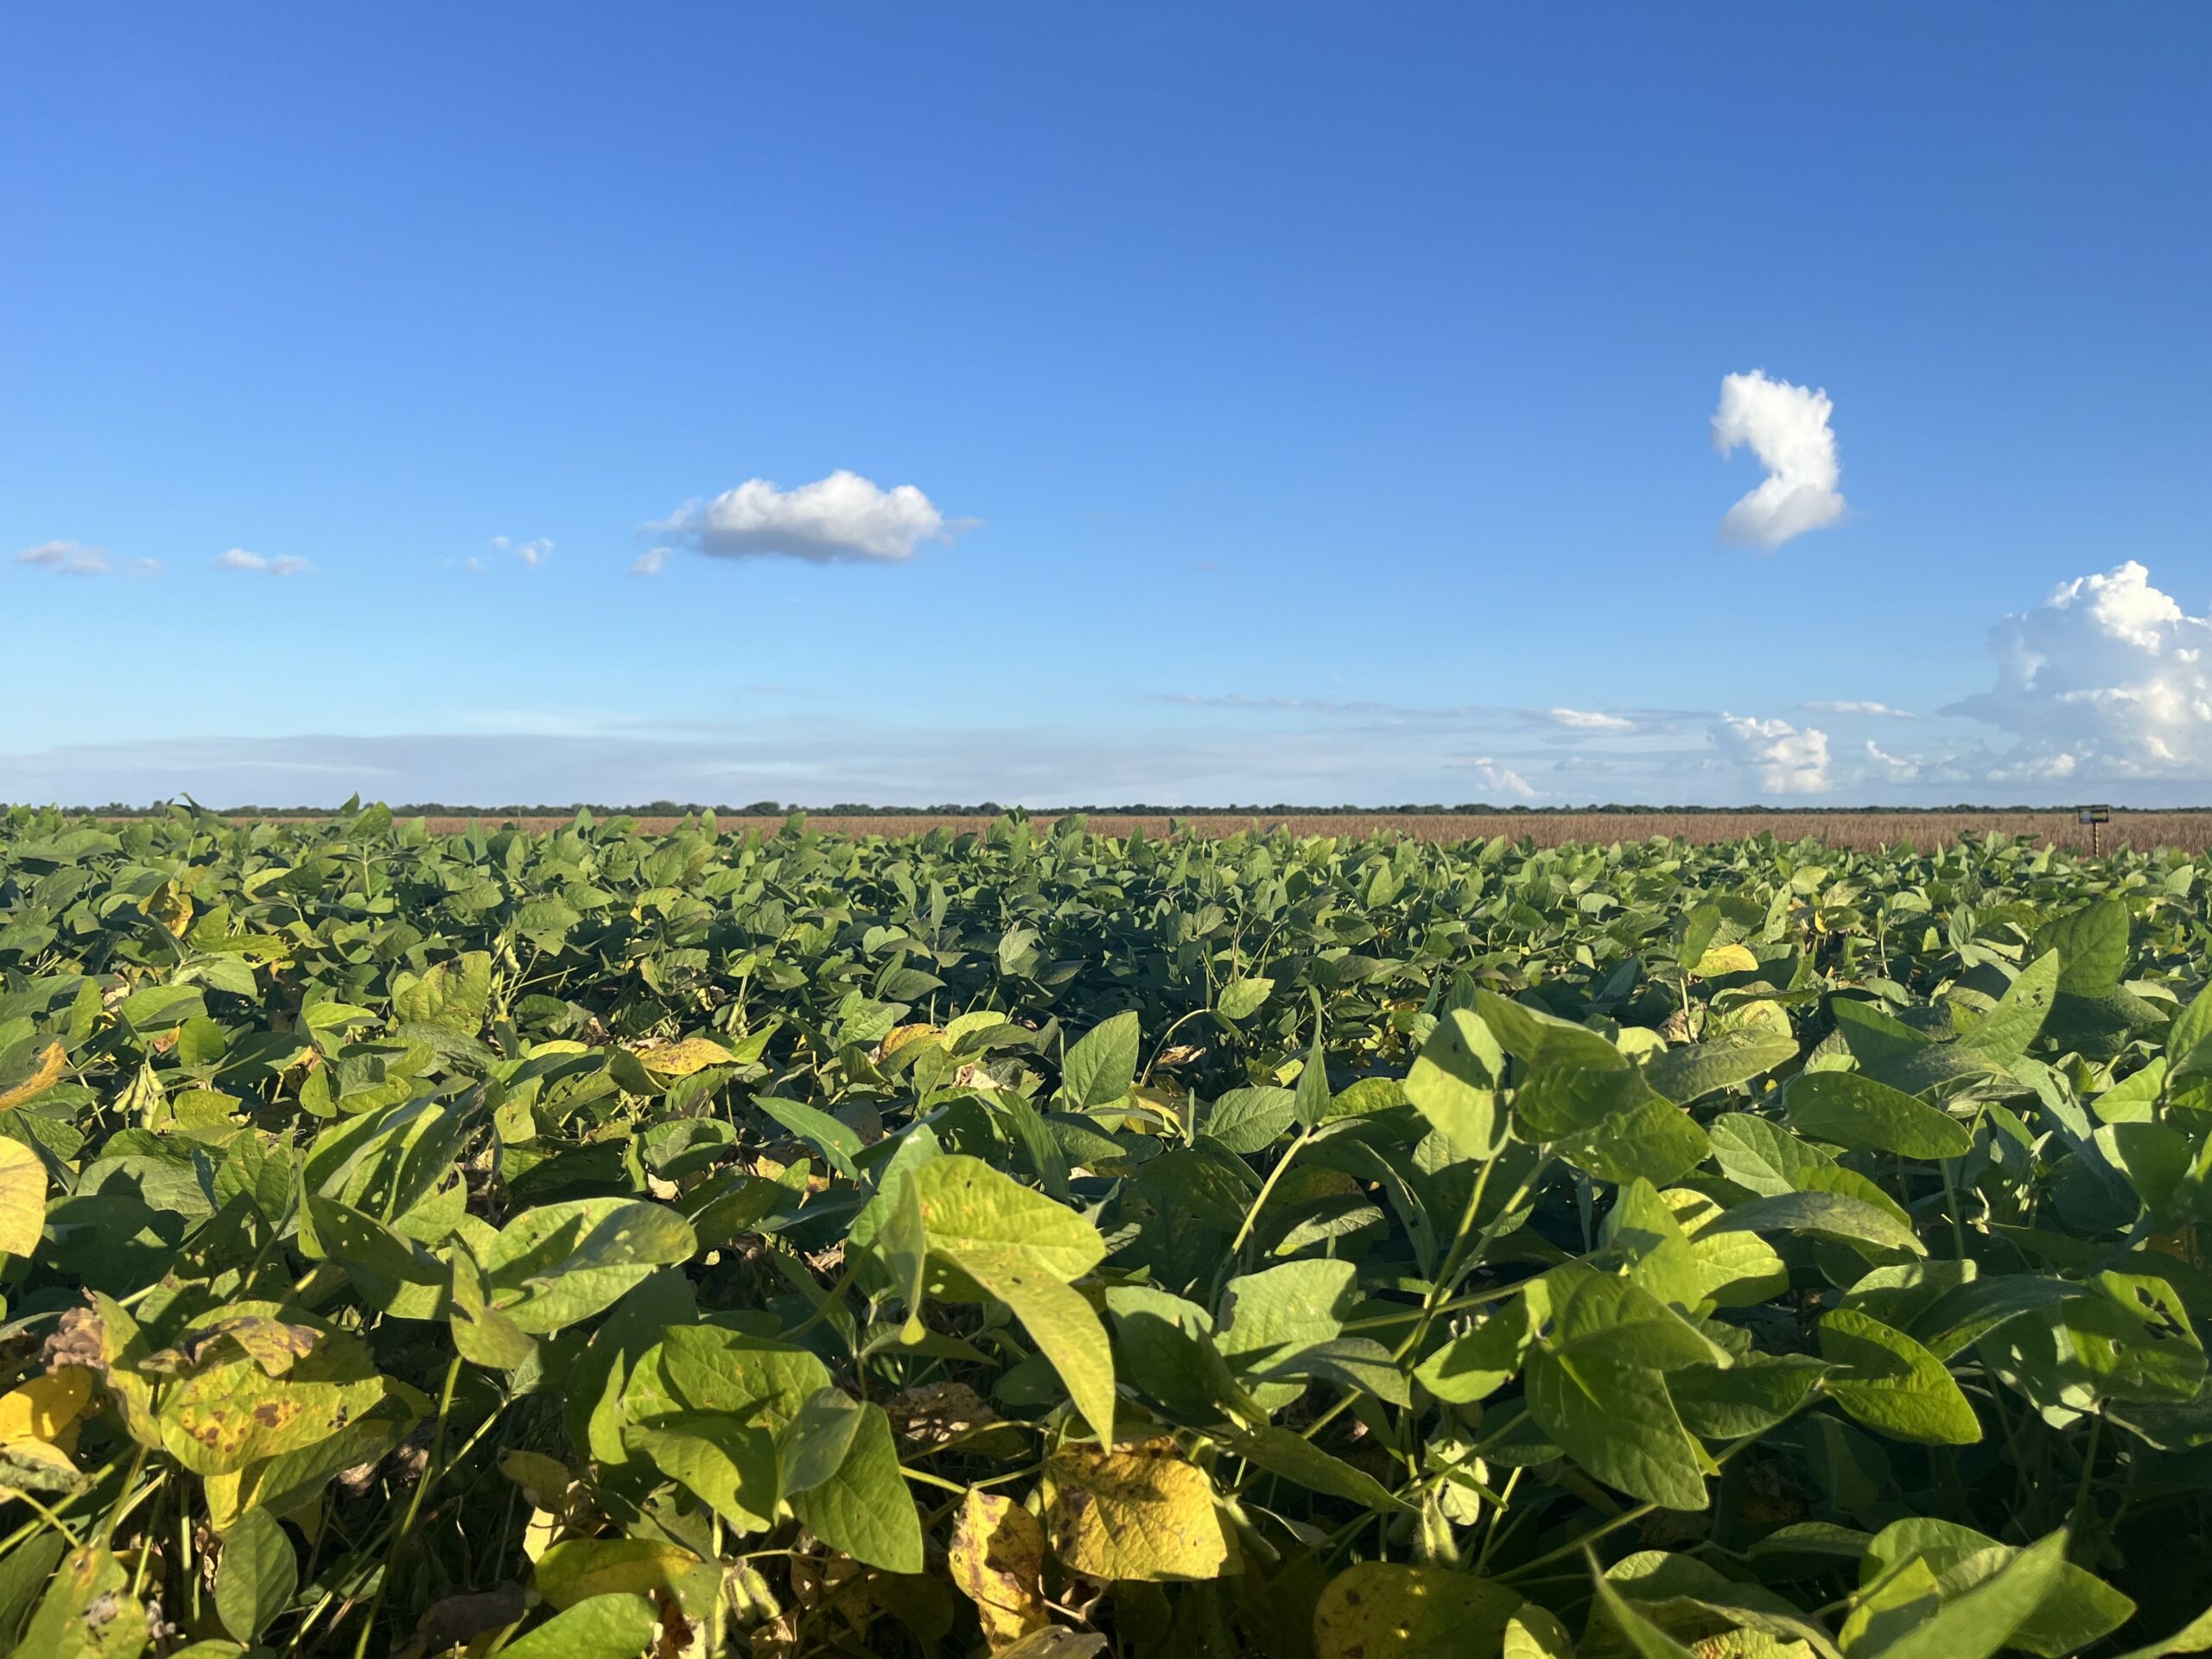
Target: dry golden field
[(2190, 831)]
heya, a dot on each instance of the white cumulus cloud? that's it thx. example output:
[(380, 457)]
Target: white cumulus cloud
[(284, 564), (843, 519), (1785, 760), (1787, 428), (1586, 720), (2108, 675), (77, 559)]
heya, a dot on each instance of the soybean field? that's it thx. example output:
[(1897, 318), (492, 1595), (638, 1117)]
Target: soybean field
[(590, 1241)]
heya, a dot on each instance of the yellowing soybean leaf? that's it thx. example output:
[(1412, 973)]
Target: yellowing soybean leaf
[(52, 1060), (1140, 1512), (1725, 959), (682, 1058), (997, 1559), (23, 1198), (454, 994), (1379, 1610), (44, 1408), (966, 1205), (578, 1569), (224, 1416)]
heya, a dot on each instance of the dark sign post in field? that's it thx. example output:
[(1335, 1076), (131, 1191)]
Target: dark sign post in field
[(2094, 817)]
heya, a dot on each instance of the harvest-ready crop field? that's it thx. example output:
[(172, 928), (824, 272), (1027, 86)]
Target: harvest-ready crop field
[(584, 1244), (1860, 831)]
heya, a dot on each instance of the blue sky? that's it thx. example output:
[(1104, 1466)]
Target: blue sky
[(1313, 403)]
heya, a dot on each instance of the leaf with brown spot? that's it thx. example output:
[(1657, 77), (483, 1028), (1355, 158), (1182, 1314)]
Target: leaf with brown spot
[(233, 1412), (997, 1559), (104, 1340), (273, 1344), (88, 1611)]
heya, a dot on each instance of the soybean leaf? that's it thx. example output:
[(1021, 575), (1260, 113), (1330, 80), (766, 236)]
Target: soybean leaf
[(1856, 1111), (258, 1576)]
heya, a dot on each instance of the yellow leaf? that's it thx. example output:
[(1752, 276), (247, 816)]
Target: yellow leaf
[(903, 1035), (1381, 1611), (1138, 1512), (45, 1406), (681, 1059), (1725, 959), (537, 1537), (545, 1481), (223, 1493), (172, 908), (51, 1065), (22, 1198), (997, 1559), (583, 1567)]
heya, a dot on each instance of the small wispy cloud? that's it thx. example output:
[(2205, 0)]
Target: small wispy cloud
[(532, 553), (841, 519), (1855, 706), (1501, 779), (1896, 768), (78, 559), (1786, 427), (283, 564), (649, 563), (1587, 720)]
